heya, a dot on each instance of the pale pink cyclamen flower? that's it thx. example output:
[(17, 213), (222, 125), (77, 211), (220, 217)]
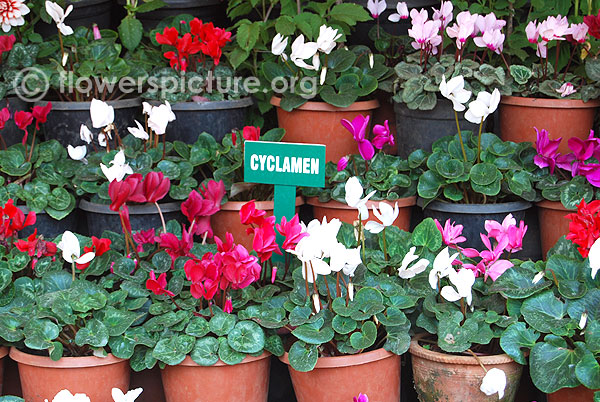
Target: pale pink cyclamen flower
[(401, 14), (376, 7), (97, 34), (444, 14), (492, 39), (488, 23), (451, 233), (490, 264), (579, 32), (566, 89), (554, 28), (425, 32), (463, 28), (532, 32)]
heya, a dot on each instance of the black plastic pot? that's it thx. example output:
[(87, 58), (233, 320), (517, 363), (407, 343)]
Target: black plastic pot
[(49, 227), (65, 119), (473, 217), (100, 217), (11, 133), (216, 118), (419, 129), (206, 10), (85, 13), (361, 34)]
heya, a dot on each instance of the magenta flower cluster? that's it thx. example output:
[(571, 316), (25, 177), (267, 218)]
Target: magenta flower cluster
[(358, 128)]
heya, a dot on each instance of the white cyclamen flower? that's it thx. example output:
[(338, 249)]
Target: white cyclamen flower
[(138, 132), (483, 106), (538, 277), (66, 396), (302, 51), (71, 251), (354, 192), (58, 15), (327, 39), (316, 302), (463, 281), (387, 216), (343, 259), (583, 320), (323, 75), (442, 266), (85, 134), (278, 45), (494, 382), (594, 257), (102, 113), (160, 117), (77, 153), (455, 91), (118, 168), (405, 272), (130, 396), (11, 14)]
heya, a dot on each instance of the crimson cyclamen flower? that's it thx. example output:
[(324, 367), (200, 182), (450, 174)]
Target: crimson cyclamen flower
[(14, 220), (240, 269), (584, 228), (593, 23), (4, 117), (144, 237), (99, 247), (40, 113), (292, 230), (36, 247), (158, 286), (249, 215), (156, 186), (6, 43), (227, 245), (264, 241), (23, 120), (251, 133), (204, 275), (119, 192), (174, 246)]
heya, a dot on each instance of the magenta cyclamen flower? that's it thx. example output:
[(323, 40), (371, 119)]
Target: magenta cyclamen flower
[(382, 135), (490, 264), (358, 129), (451, 233), (546, 149), (507, 229), (582, 150), (343, 163), (361, 398)]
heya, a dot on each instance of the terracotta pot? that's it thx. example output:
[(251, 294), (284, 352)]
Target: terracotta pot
[(564, 118), (42, 378), (319, 123), (341, 378), (247, 381), (228, 220), (3, 353), (577, 394), (553, 223), (452, 378), (335, 209)]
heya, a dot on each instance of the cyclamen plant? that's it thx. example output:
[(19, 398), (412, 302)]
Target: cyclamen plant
[(573, 176)]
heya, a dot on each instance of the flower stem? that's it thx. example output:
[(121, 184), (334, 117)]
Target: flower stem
[(73, 269), (162, 218), (478, 360), (462, 145), (385, 253), (479, 141)]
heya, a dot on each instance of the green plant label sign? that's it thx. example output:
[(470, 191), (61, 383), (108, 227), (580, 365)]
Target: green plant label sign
[(284, 163)]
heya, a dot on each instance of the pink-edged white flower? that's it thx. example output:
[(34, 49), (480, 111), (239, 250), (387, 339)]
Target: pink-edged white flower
[(463, 281), (77, 153), (58, 14), (278, 46), (444, 14), (71, 250), (455, 91), (554, 28), (489, 22), (386, 214), (401, 12), (85, 134), (327, 39), (11, 13), (494, 382), (483, 106), (594, 257), (130, 396), (102, 114), (492, 39), (532, 32), (425, 32), (406, 272), (579, 32), (463, 28), (139, 131), (566, 89), (376, 7)]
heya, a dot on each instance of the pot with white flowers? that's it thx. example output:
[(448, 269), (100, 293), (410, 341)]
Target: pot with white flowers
[(457, 357), (86, 65), (204, 92)]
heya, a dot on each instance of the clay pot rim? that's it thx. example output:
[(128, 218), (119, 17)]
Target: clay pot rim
[(188, 362), (333, 204), (65, 362), (3, 351), (264, 205), (136, 209), (549, 103), (555, 205), (349, 360), (326, 107), (419, 351)]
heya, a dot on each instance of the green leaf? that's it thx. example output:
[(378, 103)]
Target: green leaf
[(206, 351), (552, 364), (274, 344), (545, 313), (222, 323), (94, 334), (516, 337), (229, 355), (521, 74), (303, 357), (429, 185), (118, 321), (285, 25), (172, 350), (366, 337), (312, 335), (130, 32), (483, 174), (247, 35), (588, 369), (247, 337), (343, 325), (197, 327), (426, 234), (349, 13), (39, 334)]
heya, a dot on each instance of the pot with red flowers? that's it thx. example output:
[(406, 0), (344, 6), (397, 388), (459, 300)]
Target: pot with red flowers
[(384, 178), (204, 92), (69, 316)]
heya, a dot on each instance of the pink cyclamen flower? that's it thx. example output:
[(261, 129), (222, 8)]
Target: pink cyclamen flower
[(581, 151), (376, 7), (532, 32), (451, 233), (515, 237), (547, 150), (463, 28), (507, 229), (343, 163), (554, 28), (498, 230), (490, 264), (424, 32), (444, 14), (566, 89), (401, 12), (488, 23), (492, 39), (382, 135), (358, 129), (292, 231), (228, 308), (97, 34), (579, 32)]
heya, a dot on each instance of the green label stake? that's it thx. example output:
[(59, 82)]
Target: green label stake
[(285, 165)]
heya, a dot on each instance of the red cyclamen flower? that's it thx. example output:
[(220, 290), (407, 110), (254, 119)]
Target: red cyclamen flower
[(584, 228), (36, 247), (292, 230), (40, 113), (4, 117), (593, 23), (99, 247), (156, 186), (14, 220), (158, 286), (251, 133), (249, 215), (6, 43), (264, 241)]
